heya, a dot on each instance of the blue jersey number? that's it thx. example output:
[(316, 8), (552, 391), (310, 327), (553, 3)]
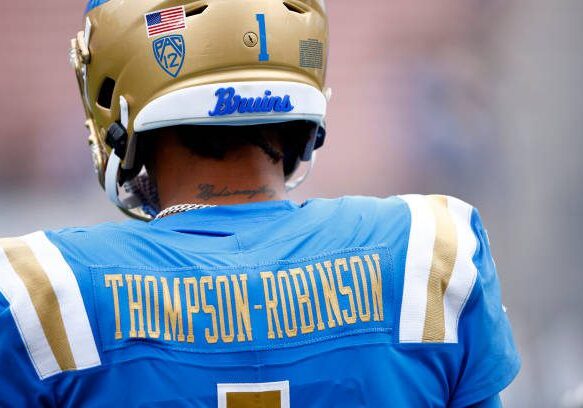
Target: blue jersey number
[(263, 55)]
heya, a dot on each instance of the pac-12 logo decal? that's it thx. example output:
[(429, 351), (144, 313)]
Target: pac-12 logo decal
[(169, 52)]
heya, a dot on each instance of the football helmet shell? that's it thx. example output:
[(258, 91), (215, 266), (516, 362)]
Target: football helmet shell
[(152, 64)]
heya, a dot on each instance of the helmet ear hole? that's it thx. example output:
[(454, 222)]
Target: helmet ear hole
[(293, 8), (195, 9), (106, 93)]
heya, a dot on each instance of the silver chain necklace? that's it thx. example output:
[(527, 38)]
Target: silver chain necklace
[(180, 208)]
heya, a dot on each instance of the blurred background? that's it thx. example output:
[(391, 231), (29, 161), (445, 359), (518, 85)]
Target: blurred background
[(481, 99)]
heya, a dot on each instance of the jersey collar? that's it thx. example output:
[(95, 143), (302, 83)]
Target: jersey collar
[(253, 225)]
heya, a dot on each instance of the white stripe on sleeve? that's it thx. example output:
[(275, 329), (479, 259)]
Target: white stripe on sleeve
[(26, 319), (464, 272), (70, 300), (417, 269)]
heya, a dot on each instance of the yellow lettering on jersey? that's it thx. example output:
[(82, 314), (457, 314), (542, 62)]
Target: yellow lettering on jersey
[(341, 265), (151, 289), (211, 337), (289, 315), (376, 284), (224, 302), (310, 269), (114, 282), (363, 310), (304, 302), (347, 289), (242, 308), (172, 311), (330, 296), (135, 306), (271, 305), (192, 305)]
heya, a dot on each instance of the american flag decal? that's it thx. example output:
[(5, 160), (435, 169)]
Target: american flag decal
[(164, 21)]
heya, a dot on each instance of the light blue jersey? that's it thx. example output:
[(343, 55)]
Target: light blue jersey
[(354, 302)]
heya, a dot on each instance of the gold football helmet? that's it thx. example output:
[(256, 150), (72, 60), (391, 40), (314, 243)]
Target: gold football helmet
[(143, 65)]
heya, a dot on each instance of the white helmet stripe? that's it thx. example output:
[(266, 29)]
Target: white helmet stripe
[(210, 105)]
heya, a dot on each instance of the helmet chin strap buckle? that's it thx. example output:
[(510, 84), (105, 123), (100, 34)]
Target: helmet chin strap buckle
[(117, 134), (117, 139)]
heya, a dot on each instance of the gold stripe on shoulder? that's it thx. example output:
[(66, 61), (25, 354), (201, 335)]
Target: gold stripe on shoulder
[(43, 297), (443, 261)]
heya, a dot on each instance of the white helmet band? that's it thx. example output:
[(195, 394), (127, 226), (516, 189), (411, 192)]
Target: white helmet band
[(234, 104)]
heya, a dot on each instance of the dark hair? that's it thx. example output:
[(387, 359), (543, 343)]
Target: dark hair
[(280, 141)]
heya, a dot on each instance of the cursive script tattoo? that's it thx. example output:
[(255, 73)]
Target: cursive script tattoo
[(210, 191)]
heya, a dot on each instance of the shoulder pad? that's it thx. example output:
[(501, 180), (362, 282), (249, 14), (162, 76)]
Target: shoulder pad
[(47, 306), (439, 271)]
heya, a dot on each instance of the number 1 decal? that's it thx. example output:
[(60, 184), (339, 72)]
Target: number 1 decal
[(263, 55)]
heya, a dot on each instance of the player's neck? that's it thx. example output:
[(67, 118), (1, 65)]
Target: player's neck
[(246, 177)]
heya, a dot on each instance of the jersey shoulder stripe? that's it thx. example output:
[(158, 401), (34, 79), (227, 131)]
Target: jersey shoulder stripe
[(47, 306), (439, 269)]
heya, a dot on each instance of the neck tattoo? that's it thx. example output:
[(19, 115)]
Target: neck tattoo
[(207, 192)]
